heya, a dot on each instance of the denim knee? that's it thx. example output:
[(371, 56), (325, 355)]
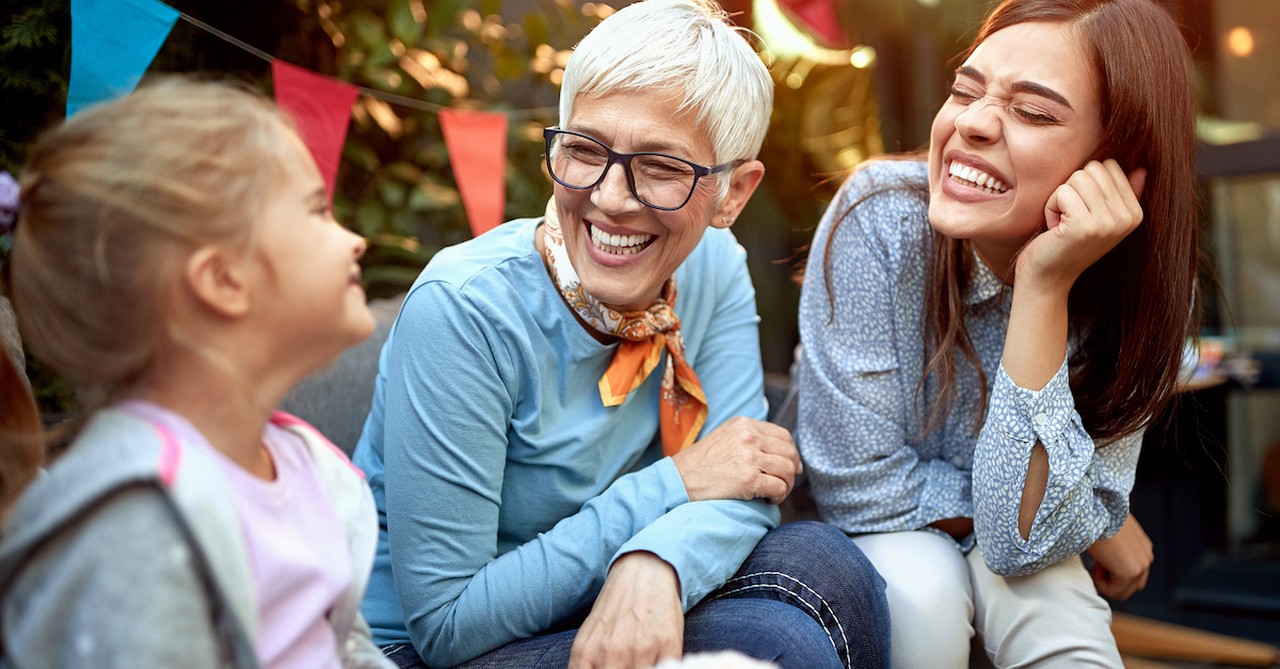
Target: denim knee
[(815, 568), (766, 630), (823, 552)]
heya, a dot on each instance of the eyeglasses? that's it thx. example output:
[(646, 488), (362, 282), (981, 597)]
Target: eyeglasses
[(656, 180)]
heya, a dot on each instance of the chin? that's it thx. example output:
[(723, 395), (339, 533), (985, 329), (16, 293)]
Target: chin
[(944, 220), (361, 327), (621, 289), (966, 221), (620, 300)]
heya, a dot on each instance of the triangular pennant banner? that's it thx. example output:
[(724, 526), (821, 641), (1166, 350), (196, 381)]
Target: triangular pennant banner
[(818, 16), (112, 44), (477, 145), (320, 108)]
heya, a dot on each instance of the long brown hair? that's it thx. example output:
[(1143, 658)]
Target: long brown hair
[(21, 446), (1131, 311)]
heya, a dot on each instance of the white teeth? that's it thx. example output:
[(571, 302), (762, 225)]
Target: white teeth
[(618, 244), (977, 177)]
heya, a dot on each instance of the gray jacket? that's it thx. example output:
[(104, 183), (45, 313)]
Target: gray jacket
[(128, 553)]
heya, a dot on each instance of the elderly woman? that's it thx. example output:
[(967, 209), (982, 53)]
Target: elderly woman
[(566, 443)]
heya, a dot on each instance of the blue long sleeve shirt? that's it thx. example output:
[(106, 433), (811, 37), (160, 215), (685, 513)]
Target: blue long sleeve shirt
[(859, 432), (505, 488)]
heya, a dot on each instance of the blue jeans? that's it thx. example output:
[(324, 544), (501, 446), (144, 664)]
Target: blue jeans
[(806, 598)]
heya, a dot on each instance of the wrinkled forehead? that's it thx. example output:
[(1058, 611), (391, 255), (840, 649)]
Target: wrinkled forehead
[(649, 119)]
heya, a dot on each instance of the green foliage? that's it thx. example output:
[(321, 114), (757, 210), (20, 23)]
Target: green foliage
[(395, 185), (35, 58)]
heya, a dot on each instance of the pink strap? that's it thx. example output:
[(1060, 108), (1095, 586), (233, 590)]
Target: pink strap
[(285, 419), (170, 453)]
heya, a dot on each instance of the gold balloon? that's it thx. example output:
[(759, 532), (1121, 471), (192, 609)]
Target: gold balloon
[(825, 118)]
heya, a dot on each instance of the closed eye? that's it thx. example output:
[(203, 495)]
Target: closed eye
[(1035, 117), (962, 95), (318, 200), (587, 153)]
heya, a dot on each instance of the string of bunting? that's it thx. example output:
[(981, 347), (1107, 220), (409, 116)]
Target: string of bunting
[(113, 43)]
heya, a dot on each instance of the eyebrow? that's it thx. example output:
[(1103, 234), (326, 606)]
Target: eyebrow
[(657, 147), (318, 195), (1019, 86)]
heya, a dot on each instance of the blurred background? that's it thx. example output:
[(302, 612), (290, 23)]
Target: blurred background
[(855, 78)]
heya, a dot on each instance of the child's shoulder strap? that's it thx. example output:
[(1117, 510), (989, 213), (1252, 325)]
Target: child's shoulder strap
[(318, 443)]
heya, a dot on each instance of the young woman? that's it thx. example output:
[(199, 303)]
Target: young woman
[(987, 333)]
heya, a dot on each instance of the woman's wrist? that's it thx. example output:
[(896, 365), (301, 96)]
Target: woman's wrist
[(646, 567), (1036, 341), (1042, 281)]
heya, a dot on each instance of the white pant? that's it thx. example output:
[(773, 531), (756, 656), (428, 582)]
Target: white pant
[(939, 599)]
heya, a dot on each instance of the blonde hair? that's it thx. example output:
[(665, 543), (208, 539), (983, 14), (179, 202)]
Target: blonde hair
[(111, 202)]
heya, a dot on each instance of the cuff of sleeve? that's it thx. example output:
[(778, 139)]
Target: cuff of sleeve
[(1046, 412), (671, 481), (705, 542)]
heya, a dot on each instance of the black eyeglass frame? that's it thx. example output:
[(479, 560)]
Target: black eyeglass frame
[(624, 159)]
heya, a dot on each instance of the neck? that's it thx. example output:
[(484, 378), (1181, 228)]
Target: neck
[(231, 413), (540, 244), (998, 258)]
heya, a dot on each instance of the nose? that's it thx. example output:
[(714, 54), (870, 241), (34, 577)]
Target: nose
[(980, 121), (362, 244), (613, 194)]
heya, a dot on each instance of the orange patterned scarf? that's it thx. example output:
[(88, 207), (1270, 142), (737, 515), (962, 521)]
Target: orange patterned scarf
[(645, 334)]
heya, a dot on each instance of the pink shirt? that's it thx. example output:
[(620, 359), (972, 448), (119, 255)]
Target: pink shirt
[(298, 553)]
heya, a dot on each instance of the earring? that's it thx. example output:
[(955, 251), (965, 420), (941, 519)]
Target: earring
[(728, 221)]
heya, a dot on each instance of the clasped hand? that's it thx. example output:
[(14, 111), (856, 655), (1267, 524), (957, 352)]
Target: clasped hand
[(741, 459), (1122, 562)]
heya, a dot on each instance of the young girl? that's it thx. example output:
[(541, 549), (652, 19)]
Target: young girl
[(175, 257), (986, 335)]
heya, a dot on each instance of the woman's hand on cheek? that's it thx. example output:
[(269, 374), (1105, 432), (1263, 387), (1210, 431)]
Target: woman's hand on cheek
[(637, 619), (1086, 217), (741, 459)]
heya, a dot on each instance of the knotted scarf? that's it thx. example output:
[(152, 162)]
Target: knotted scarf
[(645, 334)]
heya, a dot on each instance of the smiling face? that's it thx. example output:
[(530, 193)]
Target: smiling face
[(1023, 115), (622, 250), (310, 262)]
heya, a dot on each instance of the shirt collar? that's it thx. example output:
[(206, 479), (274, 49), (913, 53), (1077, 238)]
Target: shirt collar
[(985, 284)]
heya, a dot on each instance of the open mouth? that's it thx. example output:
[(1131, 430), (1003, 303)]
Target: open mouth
[(622, 245), (975, 178)]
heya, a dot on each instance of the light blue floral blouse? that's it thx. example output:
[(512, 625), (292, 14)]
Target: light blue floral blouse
[(870, 468)]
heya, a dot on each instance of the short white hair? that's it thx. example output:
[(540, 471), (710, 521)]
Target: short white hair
[(685, 45)]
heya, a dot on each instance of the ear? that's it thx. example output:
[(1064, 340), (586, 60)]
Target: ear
[(219, 281), (746, 177)]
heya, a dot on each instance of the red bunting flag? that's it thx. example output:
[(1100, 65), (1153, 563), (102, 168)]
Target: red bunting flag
[(320, 108), (818, 16), (477, 145)]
